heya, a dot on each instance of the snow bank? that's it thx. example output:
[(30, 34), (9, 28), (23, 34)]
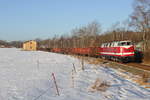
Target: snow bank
[(26, 75)]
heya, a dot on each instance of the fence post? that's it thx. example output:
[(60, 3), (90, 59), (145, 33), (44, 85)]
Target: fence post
[(74, 68), (55, 84), (72, 79), (82, 64)]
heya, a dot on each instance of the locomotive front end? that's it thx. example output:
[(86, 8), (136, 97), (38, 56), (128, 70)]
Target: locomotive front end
[(127, 51)]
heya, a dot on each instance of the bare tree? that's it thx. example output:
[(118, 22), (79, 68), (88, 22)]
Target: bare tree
[(140, 19)]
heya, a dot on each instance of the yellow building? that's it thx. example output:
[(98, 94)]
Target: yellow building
[(30, 45)]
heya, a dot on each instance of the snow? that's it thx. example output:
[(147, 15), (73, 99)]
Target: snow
[(26, 75)]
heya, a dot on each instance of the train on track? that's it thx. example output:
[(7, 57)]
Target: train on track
[(121, 51)]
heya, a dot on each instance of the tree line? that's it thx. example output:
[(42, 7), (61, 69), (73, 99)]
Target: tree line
[(135, 28), (17, 44)]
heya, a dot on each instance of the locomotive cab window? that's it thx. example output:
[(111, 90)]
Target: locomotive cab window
[(125, 43), (102, 45), (112, 44)]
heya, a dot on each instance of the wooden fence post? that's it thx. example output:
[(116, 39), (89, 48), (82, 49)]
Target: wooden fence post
[(82, 64), (74, 68), (55, 84), (72, 78)]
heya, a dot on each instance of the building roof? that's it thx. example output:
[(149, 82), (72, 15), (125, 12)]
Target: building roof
[(29, 41)]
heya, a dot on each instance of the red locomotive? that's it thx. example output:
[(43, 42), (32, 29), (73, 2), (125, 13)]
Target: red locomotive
[(122, 51)]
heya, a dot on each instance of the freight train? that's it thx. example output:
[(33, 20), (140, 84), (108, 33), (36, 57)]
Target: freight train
[(121, 51)]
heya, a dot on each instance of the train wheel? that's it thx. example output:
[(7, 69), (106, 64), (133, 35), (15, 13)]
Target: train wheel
[(124, 60)]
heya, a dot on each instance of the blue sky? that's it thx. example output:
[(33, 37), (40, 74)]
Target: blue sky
[(30, 19)]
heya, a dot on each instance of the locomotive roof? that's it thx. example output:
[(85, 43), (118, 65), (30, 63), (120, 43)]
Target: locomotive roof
[(119, 41)]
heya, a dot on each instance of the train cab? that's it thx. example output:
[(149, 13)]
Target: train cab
[(120, 50)]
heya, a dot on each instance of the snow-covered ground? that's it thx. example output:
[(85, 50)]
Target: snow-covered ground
[(26, 75)]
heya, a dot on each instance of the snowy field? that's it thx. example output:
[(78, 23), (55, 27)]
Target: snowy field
[(27, 75)]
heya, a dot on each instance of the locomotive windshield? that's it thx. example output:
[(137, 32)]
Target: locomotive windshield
[(125, 43)]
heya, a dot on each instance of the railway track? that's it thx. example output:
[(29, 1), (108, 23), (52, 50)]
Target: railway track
[(139, 65), (135, 68)]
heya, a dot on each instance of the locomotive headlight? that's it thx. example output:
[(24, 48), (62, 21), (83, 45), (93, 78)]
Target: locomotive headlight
[(121, 50)]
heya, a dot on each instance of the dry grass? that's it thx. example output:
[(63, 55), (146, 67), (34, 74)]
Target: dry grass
[(143, 80), (144, 84), (99, 85), (95, 61), (90, 60), (145, 77)]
